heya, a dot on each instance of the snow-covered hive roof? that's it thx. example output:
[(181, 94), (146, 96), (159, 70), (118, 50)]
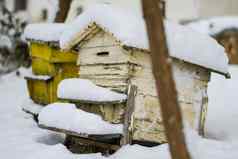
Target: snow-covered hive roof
[(213, 26), (129, 28), (46, 32)]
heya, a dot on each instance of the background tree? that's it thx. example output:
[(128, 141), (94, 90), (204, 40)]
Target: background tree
[(13, 50), (64, 6), (20, 5)]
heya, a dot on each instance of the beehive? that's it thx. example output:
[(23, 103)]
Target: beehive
[(48, 60), (107, 63), (40, 90), (115, 54)]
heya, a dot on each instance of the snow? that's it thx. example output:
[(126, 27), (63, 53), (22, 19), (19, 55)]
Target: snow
[(50, 32), (53, 9), (130, 30), (82, 89), (30, 107), (215, 25), (222, 110), (21, 138), (200, 148), (29, 74), (36, 8), (68, 117)]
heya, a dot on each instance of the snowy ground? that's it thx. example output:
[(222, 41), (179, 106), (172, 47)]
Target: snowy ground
[(21, 138)]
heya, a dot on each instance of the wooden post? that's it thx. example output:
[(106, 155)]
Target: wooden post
[(165, 84), (130, 105), (64, 6)]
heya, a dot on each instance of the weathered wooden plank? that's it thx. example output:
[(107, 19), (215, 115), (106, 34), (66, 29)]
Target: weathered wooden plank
[(106, 77), (95, 143), (192, 91), (127, 139), (101, 39), (123, 70), (116, 55), (203, 114), (180, 68), (89, 138), (113, 84), (93, 102)]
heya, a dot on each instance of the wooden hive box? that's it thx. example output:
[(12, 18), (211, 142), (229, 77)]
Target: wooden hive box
[(40, 90), (116, 55), (107, 63), (44, 90), (112, 66), (48, 60)]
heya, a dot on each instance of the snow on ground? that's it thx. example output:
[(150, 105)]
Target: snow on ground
[(199, 148), (30, 107), (223, 106), (21, 138)]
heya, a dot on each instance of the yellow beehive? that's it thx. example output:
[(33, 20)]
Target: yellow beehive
[(44, 91), (49, 61), (40, 90), (51, 53)]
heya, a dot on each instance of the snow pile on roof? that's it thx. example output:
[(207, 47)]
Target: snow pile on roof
[(124, 24), (45, 32), (130, 30), (215, 25), (82, 89), (68, 117)]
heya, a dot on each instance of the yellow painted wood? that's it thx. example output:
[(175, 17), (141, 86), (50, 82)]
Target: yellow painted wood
[(53, 55), (39, 91), (45, 92), (43, 67), (70, 70)]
